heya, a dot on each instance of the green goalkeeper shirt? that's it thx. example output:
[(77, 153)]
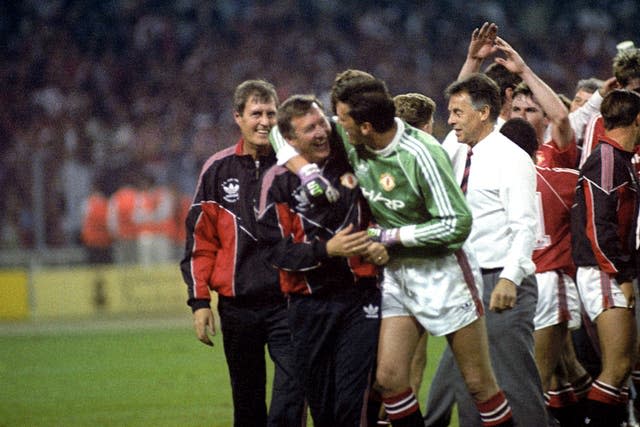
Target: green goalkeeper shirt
[(409, 185)]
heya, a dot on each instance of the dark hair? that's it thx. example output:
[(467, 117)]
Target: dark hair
[(342, 79), (414, 108), (294, 106), (369, 101), (620, 108), (522, 89), (522, 133), (626, 66), (261, 89), (482, 90), (504, 78)]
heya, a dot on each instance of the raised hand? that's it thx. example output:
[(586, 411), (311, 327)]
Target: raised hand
[(482, 42)]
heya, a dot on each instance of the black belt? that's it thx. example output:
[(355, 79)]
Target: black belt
[(491, 270)]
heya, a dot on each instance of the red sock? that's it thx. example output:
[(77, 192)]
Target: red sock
[(495, 411), (581, 386), (605, 393), (561, 397), (401, 406)]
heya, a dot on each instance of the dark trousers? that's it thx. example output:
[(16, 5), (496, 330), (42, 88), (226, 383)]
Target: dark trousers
[(246, 328), (511, 348), (335, 337)]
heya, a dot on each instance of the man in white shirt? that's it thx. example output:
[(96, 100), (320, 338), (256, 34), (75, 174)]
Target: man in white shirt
[(501, 195)]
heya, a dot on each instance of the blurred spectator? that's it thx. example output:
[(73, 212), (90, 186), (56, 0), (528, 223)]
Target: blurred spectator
[(95, 232), (131, 79)]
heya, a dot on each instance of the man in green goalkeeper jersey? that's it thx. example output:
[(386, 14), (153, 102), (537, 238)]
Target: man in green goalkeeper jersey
[(431, 282)]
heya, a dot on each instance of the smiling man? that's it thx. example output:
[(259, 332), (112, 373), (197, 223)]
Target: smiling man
[(222, 255), (326, 268), (430, 282), (501, 196)]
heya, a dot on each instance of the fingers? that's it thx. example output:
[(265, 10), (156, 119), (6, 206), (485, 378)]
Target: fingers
[(203, 323), (500, 304), (503, 297), (345, 230)]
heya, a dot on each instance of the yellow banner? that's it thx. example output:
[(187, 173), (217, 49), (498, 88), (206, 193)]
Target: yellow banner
[(14, 295)]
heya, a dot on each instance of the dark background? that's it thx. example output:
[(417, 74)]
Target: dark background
[(92, 90)]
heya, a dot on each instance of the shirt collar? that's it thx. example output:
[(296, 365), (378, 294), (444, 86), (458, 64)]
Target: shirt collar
[(389, 149)]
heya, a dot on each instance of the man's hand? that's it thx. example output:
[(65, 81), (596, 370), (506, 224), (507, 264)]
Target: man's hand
[(347, 244), (610, 84), (204, 324), (482, 42), (512, 60), (388, 237), (377, 254), (504, 296), (317, 187)]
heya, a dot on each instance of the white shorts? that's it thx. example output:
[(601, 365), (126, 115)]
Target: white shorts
[(598, 291), (442, 293), (557, 300)]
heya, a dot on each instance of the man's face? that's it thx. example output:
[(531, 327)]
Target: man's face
[(255, 122), (579, 99), (526, 108), (350, 126), (311, 135), (466, 122)]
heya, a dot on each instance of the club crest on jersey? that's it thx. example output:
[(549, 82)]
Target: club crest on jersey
[(231, 188), (349, 180), (387, 182)]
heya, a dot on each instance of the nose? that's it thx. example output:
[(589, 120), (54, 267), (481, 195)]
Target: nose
[(264, 119)]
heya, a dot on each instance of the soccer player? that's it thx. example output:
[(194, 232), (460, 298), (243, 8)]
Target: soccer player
[(626, 70), (430, 280), (417, 110), (222, 255), (536, 102), (558, 303), (321, 252), (604, 239)]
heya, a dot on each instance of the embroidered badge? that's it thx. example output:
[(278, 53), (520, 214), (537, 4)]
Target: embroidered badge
[(231, 188), (387, 182), (349, 180)]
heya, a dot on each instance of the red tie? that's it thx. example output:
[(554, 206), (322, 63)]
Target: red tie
[(465, 174)]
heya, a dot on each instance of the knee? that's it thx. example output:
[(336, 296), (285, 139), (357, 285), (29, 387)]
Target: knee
[(388, 380), (481, 385)]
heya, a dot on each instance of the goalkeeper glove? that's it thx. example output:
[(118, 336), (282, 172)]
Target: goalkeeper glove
[(317, 186), (388, 237)]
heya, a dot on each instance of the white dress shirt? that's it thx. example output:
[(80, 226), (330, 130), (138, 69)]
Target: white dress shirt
[(501, 194), (457, 151)]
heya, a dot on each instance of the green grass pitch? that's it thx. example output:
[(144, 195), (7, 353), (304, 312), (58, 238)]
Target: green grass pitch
[(161, 377)]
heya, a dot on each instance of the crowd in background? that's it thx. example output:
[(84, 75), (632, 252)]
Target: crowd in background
[(96, 94)]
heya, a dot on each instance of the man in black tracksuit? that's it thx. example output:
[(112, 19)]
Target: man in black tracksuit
[(605, 250), (222, 254), (326, 265)]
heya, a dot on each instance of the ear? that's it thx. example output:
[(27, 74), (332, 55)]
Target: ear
[(366, 128), (237, 117), (508, 94), (485, 112)]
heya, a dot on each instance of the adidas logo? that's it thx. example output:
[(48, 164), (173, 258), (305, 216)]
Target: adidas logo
[(371, 311)]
